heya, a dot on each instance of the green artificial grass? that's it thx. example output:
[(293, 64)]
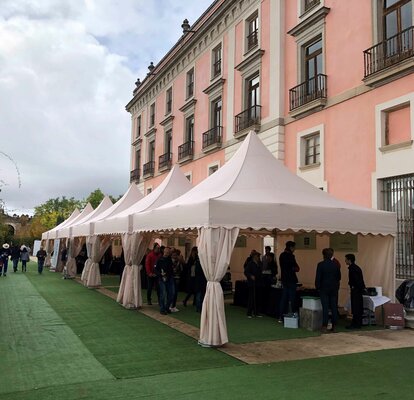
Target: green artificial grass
[(59, 340)]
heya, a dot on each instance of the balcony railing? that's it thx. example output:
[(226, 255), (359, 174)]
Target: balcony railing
[(389, 52), (134, 175), (247, 118), (310, 90), (186, 150), (253, 39), (212, 136), (164, 161), (148, 168)]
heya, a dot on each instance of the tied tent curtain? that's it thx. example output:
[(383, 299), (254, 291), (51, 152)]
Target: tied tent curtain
[(215, 246), (135, 246), (49, 249), (75, 247), (96, 247)]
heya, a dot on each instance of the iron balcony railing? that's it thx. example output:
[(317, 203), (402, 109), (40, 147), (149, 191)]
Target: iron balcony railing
[(252, 39), (310, 4), (312, 89), (148, 168), (186, 149), (134, 175), (212, 136), (389, 52), (164, 160), (247, 118)]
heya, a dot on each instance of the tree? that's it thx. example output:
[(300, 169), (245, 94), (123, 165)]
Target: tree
[(54, 210), (95, 198)]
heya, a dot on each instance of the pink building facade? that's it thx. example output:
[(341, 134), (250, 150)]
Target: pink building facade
[(327, 85)]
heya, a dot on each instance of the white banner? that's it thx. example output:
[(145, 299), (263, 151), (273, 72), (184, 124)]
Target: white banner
[(55, 257)]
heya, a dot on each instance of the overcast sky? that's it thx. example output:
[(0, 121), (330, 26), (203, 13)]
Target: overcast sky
[(67, 70)]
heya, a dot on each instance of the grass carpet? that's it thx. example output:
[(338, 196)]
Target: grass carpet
[(36, 346), (365, 376), (125, 342)]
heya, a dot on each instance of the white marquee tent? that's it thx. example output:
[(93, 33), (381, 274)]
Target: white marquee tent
[(255, 193), (63, 232)]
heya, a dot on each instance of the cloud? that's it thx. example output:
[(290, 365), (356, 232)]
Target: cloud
[(67, 70)]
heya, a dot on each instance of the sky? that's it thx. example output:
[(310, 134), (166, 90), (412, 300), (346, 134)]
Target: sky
[(67, 70)]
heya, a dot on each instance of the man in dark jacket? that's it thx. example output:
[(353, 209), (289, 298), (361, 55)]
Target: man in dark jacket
[(253, 273), (165, 273), (41, 257), (288, 269), (15, 256), (327, 279), (357, 285), (152, 280)]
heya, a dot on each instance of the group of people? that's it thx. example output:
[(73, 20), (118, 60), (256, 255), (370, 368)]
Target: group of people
[(15, 254), (165, 267), (259, 271)]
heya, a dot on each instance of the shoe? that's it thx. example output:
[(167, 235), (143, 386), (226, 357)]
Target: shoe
[(249, 316), (163, 313), (280, 321), (259, 316), (174, 309), (324, 329)]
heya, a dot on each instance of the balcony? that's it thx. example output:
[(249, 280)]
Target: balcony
[(148, 169), (252, 39), (248, 120), (186, 151), (309, 96), (134, 177), (164, 162), (389, 59), (212, 139)]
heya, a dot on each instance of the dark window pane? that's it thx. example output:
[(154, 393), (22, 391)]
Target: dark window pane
[(406, 16), (391, 26)]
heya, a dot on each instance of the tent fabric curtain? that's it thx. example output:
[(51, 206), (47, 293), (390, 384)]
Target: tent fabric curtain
[(49, 249), (75, 247), (96, 247), (215, 246), (135, 246)]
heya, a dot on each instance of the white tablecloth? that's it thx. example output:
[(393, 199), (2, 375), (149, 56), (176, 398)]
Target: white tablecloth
[(372, 302)]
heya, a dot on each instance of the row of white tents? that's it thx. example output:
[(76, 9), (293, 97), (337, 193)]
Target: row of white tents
[(252, 194)]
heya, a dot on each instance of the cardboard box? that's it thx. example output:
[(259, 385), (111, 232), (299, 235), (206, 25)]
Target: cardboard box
[(290, 321), (394, 315)]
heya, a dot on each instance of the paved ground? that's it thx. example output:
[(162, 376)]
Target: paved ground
[(294, 349)]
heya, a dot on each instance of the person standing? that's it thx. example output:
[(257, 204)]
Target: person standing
[(288, 269), (4, 255), (25, 257), (253, 274), (152, 280), (357, 285), (164, 271), (41, 257), (327, 279), (15, 256), (178, 263), (200, 285)]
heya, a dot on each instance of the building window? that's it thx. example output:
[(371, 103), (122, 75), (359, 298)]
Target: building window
[(151, 151), (137, 157), (396, 17), (216, 109), (212, 169), (168, 101), (152, 114), (190, 83), (398, 196), (168, 142), (189, 129), (312, 149), (309, 4), (252, 31), (149, 190), (189, 176), (253, 91), (138, 131), (313, 63), (216, 61)]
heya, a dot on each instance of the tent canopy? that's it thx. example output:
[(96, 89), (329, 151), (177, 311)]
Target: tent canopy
[(51, 234), (174, 185), (131, 196), (255, 190), (64, 232)]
